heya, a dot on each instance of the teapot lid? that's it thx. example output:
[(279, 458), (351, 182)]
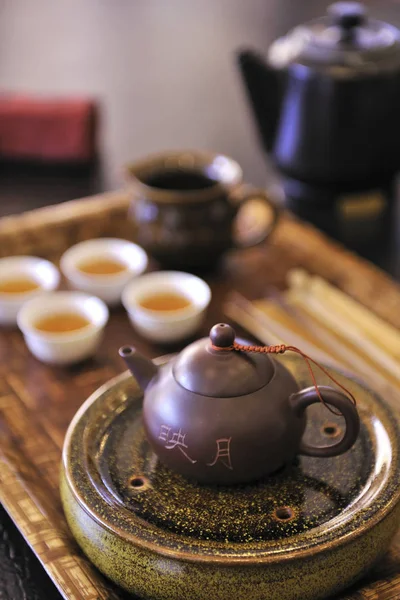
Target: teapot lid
[(346, 38), (208, 368)]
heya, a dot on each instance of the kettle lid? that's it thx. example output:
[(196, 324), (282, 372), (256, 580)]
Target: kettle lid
[(208, 368), (345, 38)]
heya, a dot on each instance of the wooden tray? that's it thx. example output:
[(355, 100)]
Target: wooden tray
[(37, 402)]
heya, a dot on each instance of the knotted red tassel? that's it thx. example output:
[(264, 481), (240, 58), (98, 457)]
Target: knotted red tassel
[(281, 349)]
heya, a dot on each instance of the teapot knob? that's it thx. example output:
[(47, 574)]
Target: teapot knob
[(347, 14), (222, 335)]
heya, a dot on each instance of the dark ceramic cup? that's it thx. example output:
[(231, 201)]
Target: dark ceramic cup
[(185, 205)]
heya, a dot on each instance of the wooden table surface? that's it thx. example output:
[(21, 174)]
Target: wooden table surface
[(165, 77)]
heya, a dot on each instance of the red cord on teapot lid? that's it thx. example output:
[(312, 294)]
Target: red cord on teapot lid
[(225, 341)]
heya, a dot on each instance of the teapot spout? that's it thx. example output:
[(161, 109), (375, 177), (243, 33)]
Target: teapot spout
[(263, 86), (142, 368)]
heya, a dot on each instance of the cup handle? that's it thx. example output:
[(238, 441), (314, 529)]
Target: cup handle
[(244, 194), (308, 396)]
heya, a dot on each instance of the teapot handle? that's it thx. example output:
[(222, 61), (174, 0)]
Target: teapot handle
[(304, 398), (246, 193)]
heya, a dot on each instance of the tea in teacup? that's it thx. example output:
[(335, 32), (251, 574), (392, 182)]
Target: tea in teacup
[(61, 322), (165, 301), (103, 266), (19, 285), (107, 265)]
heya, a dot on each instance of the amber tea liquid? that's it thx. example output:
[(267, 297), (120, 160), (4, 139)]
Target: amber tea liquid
[(61, 323), (165, 301), (102, 266), (19, 285)]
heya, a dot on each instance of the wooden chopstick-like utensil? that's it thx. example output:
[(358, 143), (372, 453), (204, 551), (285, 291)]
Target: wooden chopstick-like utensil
[(269, 330), (316, 300), (378, 330), (343, 353), (256, 318)]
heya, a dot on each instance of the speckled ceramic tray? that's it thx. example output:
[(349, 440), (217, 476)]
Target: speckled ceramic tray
[(305, 533)]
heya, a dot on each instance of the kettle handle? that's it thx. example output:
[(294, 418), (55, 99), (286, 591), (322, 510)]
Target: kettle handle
[(245, 193), (304, 398)]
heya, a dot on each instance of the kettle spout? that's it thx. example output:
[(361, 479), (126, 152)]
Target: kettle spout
[(263, 86), (142, 368)]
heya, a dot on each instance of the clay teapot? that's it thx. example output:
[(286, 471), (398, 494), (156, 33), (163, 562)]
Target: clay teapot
[(219, 415)]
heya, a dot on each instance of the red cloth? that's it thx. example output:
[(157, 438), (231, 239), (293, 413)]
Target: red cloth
[(51, 130)]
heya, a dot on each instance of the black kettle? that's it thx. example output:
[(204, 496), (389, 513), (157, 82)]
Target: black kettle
[(326, 101)]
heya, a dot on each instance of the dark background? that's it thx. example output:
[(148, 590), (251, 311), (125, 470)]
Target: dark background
[(163, 72), (164, 75)]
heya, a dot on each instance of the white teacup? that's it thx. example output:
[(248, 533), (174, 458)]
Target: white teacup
[(166, 326), (63, 347), (107, 286), (28, 268)]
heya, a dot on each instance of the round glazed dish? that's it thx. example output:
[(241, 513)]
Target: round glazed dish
[(107, 286), (307, 532)]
